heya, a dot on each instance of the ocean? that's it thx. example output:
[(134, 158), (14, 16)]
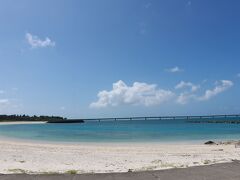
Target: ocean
[(166, 131)]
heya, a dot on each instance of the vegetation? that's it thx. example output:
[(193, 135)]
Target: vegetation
[(237, 121), (17, 171), (9, 118), (206, 162), (71, 172)]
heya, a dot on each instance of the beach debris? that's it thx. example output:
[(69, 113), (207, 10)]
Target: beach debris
[(237, 145), (130, 170), (210, 143), (218, 150), (206, 162), (230, 142)]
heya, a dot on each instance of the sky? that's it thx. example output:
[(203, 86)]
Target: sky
[(116, 58)]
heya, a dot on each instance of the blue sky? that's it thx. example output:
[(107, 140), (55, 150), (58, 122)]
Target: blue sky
[(91, 58)]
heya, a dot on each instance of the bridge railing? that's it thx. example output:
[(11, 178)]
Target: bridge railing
[(207, 117)]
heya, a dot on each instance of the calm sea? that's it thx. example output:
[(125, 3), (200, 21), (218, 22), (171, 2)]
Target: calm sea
[(123, 131)]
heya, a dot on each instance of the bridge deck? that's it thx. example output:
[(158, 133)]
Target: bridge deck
[(208, 117)]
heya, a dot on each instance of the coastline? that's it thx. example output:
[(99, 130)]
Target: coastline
[(22, 122), (104, 143), (44, 157), (36, 158)]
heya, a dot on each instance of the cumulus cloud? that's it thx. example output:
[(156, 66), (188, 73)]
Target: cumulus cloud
[(184, 98), (190, 85), (175, 69), (137, 94), (221, 86), (149, 94), (36, 42), (188, 94)]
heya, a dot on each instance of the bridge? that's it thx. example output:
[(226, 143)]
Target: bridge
[(190, 118)]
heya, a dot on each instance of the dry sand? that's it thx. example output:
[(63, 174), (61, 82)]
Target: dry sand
[(22, 122), (19, 157)]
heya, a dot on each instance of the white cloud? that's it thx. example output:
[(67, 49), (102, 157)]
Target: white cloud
[(137, 94), (184, 84), (2, 92), (149, 94), (221, 86), (175, 69), (238, 75), (36, 42), (188, 95), (184, 98)]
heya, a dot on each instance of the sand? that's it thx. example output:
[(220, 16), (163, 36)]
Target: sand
[(26, 157), (22, 122), (221, 171)]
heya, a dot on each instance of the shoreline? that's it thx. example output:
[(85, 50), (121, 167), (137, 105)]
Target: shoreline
[(40, 157), (14, 140), (24, 142), (116, 143), (22, 122)]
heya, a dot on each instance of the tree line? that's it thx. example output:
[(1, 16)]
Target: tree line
[(29, 118)]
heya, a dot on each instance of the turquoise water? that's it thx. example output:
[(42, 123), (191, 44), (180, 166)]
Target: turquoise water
[(122, 131)]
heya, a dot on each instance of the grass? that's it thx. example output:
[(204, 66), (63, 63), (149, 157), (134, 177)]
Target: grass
[(72, 171), (22, 171), (156, 161), (206, 162)]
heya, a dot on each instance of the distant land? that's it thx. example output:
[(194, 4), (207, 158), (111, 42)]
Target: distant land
[(10, 118), (228, 119), (48, 119)]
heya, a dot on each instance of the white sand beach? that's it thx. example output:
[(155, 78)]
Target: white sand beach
[(24, 157), (22, 122)]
